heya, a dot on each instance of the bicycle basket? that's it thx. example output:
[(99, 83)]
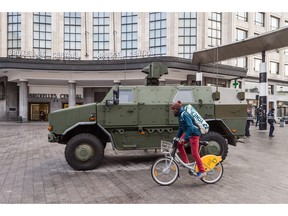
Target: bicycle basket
[(166, 147)]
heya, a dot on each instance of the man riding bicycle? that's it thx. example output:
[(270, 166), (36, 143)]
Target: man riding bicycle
[(188, 131)]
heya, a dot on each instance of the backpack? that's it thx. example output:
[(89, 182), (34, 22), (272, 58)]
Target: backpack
[(197, 119)]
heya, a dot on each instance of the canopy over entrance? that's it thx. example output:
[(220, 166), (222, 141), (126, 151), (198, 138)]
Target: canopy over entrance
[(265, 42)]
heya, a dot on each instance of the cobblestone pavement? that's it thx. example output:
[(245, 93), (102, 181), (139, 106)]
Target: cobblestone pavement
[(32, 170)]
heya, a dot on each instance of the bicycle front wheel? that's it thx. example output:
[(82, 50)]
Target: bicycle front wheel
[(213, 175), (165, 171)]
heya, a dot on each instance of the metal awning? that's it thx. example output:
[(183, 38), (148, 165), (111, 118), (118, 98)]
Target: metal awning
[(265, 42)]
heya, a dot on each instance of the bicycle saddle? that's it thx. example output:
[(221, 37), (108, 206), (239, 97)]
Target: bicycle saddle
[(204, 143)]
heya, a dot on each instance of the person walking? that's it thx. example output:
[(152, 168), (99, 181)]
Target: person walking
[(248, 122), (258, 111), (271, 121), (188, 132)]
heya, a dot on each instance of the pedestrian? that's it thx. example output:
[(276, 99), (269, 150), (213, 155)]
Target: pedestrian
[(42, 115), (258, 111), (248, 122), (271, 121), (188, 132)]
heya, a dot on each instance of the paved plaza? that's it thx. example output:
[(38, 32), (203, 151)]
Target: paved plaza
[(32, 170)]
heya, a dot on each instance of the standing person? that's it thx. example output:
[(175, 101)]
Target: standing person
[(271, 121), (42, 115), (188, 132), (257, 116), (248, 121)]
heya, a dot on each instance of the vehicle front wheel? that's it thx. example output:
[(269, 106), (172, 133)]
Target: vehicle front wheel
[(84, 152)]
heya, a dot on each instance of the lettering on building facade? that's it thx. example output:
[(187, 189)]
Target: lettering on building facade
[(76, 56), (53, 96)]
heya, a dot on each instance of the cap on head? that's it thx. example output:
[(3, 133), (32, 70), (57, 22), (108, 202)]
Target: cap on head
[(177, 105)]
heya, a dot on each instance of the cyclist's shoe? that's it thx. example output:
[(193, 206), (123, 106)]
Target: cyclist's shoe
[(201, 175)]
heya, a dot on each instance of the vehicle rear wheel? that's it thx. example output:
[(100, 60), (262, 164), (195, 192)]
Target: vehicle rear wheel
[(84, 152), (217, 145)]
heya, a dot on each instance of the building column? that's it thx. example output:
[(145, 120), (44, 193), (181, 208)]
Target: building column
[(199, 77), (72, 93), (263, 92), (23, 100)]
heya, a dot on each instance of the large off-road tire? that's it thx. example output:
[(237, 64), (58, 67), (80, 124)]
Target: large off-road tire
[(217, 145), (84, 152)]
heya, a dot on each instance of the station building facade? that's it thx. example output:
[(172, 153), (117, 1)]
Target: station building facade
[(50, 61)]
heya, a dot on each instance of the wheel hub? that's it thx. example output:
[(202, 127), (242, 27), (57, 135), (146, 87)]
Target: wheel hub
[(84, 152), (213, 148)]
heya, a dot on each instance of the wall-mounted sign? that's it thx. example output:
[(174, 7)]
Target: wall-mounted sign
[(76, 55), (41, 55), (53, 96)]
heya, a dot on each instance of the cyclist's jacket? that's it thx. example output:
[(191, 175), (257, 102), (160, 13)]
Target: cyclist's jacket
[(186, 126)]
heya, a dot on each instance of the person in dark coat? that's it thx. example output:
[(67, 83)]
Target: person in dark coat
[(249, 120), (271, 121)]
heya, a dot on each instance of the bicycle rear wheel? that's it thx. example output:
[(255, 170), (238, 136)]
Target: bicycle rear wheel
[(214, 175), (165, 171)]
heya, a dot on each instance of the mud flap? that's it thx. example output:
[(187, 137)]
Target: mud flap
[(209, 162)]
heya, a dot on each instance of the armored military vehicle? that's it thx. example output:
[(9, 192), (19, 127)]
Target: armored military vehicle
[(139, 117)]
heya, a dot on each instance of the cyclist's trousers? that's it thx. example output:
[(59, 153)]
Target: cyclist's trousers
[(194, 142)]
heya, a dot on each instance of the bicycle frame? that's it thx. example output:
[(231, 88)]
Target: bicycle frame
[(165, 170), (209, 161)]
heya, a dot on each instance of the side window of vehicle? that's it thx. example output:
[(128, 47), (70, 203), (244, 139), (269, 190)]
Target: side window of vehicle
[(126, 96), (184, 95)]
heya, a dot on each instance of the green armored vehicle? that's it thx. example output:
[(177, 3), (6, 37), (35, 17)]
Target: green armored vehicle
[(139, 117)]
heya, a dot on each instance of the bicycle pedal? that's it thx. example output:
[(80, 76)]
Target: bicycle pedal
[(190, 172)]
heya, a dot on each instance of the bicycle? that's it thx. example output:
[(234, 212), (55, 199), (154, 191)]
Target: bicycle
[(165, 170)]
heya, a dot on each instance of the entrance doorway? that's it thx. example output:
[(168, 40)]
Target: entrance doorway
[(38, 111)]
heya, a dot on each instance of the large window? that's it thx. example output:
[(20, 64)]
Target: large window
[(42, 35), (241, 34), (257, 64), (129, 35), (14, 34), (72, 35), (275, 23), (286, 70), (286, 50), (187, 34), (242, 16), (241, 62), (214, 29), (274, 67), (260, 19), (101, 35), (157, 37)]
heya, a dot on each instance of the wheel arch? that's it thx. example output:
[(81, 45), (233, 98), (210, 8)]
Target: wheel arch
[(86, 127), (217, 125)]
